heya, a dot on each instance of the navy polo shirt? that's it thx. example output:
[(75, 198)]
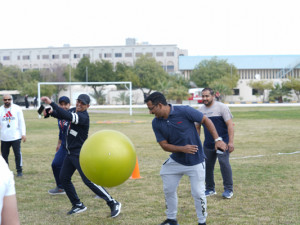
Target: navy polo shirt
[(179, 129)]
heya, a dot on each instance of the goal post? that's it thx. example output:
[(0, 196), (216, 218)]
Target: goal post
[(87, 83)]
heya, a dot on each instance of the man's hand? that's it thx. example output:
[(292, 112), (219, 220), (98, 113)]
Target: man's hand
[(23, 138), (221, 145), (230, 147), (190, 149), (46, 100)]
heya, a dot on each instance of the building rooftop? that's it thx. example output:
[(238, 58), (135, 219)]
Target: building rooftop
[(245, 61)]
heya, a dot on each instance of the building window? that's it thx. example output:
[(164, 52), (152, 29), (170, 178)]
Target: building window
[(55, 56), (138, 54), (236, 91), (6, 58), (149, 54), (65, 56), (19, 57), (170, 68), (86, 55), (257, 92), (76, 56), (26, 57), (170, 53), (38, 57), (128, 54), (159, 54), (118, 55), (100, 56), (107, 55), (45, 57)]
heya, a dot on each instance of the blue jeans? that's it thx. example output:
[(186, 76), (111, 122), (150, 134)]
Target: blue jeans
[(224, 166), (57, 163)]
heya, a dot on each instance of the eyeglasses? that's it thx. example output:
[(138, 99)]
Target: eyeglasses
[(150, 109), (8, 99)]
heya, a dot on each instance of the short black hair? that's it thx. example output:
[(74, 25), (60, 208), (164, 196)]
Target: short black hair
[(156, 98), (211, 91)]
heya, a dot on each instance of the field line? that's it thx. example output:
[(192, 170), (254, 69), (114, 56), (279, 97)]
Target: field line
[(257, 156)]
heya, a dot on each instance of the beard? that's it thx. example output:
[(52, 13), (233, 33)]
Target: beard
[(7, 104)]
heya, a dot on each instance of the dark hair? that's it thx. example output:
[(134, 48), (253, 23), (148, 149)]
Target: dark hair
[(211, 91), (156, 98)]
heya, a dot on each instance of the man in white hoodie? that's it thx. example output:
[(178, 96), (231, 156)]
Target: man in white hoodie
[(13, 131)]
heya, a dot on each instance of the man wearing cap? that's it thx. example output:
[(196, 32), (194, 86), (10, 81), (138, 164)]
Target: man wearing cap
[(77, 133), (13, 131), (61, 151)]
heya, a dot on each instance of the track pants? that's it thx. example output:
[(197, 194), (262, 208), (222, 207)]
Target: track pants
[(171, 173), (71, 163), (224, 166), (16, 146), (57, 163)]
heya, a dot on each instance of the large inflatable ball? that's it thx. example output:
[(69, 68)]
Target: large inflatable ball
[(107, 158)]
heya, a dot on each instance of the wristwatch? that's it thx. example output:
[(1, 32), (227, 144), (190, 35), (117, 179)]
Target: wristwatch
[(218, 139)]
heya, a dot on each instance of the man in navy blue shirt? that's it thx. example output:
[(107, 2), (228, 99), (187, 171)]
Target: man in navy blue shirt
[(175, 131), (61, 151), (78, 118)]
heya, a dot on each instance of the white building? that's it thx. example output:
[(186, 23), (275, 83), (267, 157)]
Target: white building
[(275, 68), (47, 58)]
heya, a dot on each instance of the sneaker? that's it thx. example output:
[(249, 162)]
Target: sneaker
[(115, 208), (170, 222), (210, 192), (19, 174), (201, 223), (78, 208), (227, 194), (56, 191)]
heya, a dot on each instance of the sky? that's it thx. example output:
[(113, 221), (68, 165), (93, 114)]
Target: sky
[(203, 27)]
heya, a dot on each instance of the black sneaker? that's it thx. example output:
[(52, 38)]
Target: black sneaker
[(115, 208), (201, 223), (169, 222), (78, 208), (19, 174)]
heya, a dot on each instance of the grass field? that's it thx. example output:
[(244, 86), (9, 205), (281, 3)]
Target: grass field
[(266, 188)]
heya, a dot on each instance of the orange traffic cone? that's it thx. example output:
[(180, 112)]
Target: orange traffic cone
[(136, 171)]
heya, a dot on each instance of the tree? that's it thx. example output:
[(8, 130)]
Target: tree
[(150, 73), (175, 88), (278, 92), (100, 71), (294, 84), (208, 71), (126, 73), (261, 86), (222, 86), (10, 78)]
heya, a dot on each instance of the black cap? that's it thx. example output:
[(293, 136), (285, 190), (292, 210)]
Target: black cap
[(84, 98), (64, 99)]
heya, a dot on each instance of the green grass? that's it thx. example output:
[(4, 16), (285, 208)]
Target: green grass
[(266, 189)]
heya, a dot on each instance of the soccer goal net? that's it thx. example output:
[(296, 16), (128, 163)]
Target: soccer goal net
[(106, 95)]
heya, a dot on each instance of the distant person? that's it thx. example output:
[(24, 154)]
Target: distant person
[(221, 117), (78, 130), (26, 102), (8, 200), (175, 131), (13, 131), (61, 151), (217, 96), (35, 102)]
